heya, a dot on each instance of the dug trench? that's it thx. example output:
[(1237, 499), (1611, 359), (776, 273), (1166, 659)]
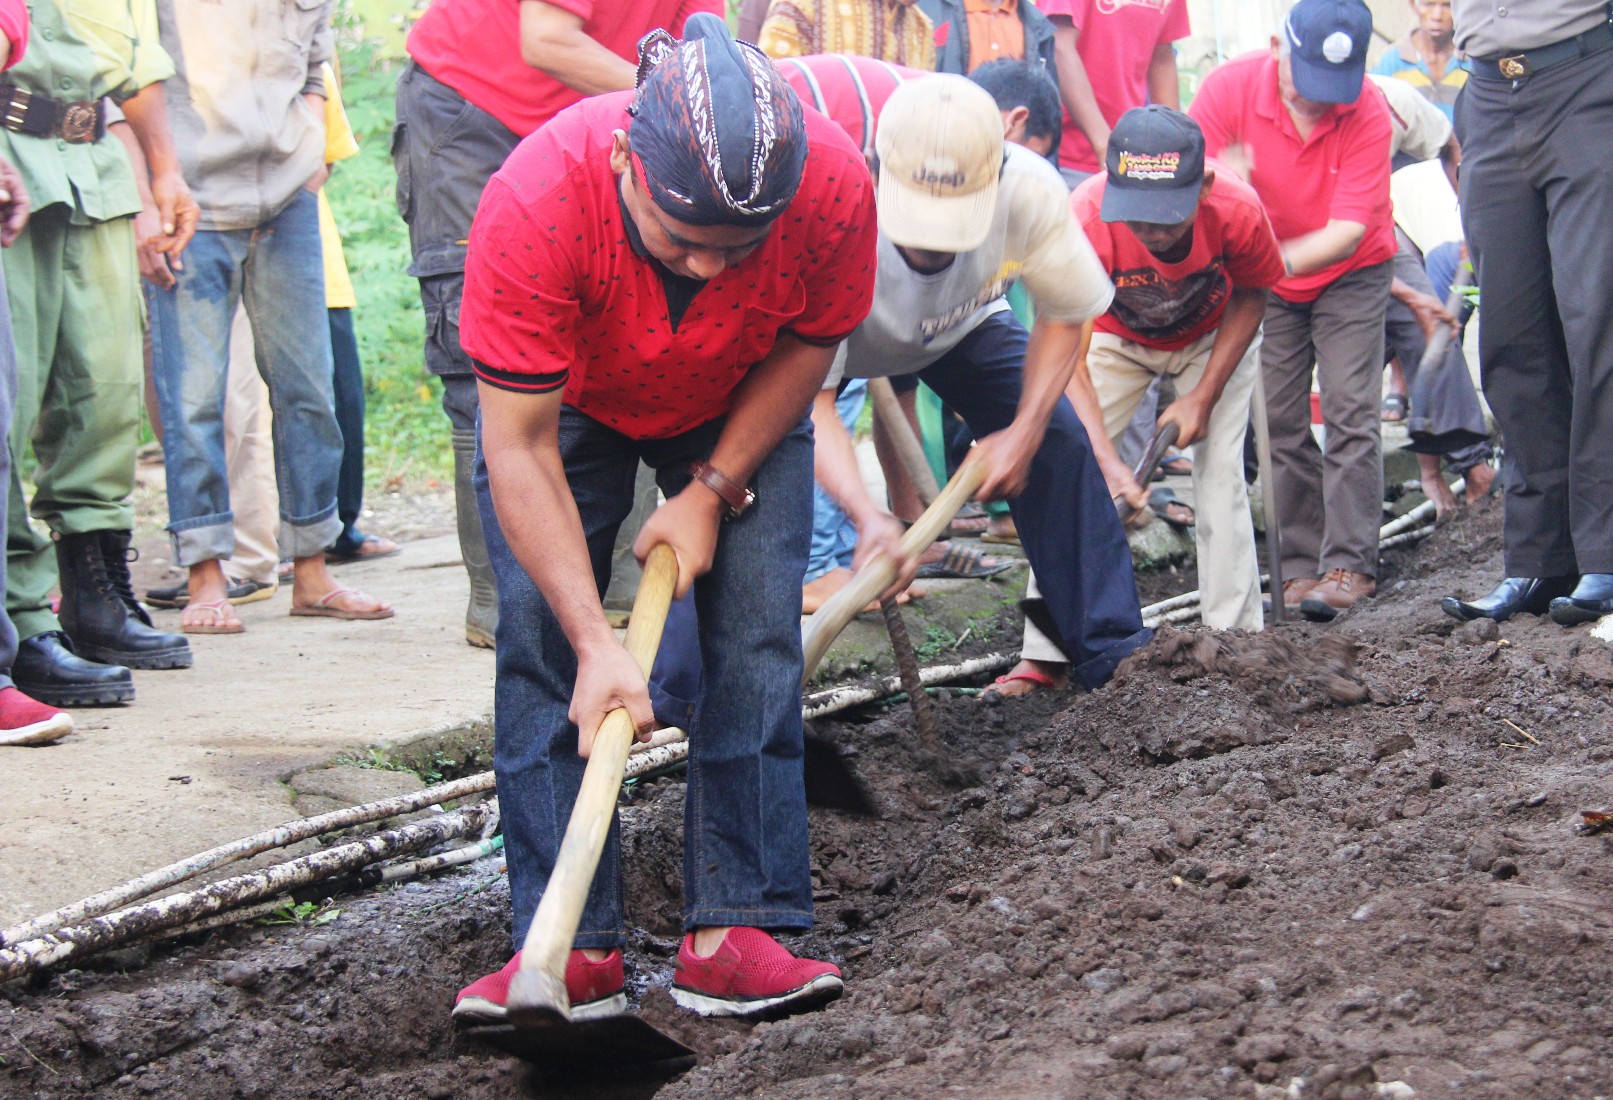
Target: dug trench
[(1322, 862)]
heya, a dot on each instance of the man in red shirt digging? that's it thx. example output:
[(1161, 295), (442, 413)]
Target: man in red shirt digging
[(664, 275)]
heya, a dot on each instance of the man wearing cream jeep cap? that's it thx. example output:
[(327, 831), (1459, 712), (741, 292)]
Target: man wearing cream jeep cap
[(962, 216)]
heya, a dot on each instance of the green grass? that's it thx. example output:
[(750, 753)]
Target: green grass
[(406, 431)]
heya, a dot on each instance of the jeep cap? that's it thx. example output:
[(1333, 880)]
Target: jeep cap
[(940, 154)]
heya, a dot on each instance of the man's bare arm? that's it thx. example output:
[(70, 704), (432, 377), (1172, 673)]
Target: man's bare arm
[(1335, 241), (176, 210), (553, 41), (1075, 86), (1049, 362), (1191, 411), (1163, 85)]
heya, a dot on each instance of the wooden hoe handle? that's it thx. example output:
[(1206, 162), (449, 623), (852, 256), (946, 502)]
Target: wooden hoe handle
[(876, 575), (538, 990)]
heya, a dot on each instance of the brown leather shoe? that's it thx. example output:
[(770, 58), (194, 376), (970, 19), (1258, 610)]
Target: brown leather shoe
[(1295, 589), (1338, 592)]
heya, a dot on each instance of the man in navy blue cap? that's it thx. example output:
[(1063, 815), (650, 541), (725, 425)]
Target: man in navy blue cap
[(1313, 136), (663, 276), (1188, 247), (1534, 122)]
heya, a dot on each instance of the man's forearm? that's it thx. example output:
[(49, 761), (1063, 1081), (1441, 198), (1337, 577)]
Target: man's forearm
[(1075, 86), (553, 41), (1084, 398), (1334, 242), (1049, 363), (147, 114), (768, 403), (1163, 86), (537, 513), (137, 159), (1239, 324), (834, 461)]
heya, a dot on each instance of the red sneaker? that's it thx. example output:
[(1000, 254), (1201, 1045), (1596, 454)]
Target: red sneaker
[(595, 989), (750, 974), (26, 721)]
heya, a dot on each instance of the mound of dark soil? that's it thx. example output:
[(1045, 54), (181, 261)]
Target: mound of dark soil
[(1332, 862)]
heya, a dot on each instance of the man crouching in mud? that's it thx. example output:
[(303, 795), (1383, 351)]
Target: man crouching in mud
[(663, 275)]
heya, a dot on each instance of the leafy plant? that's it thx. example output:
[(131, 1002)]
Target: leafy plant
[(309, 913)]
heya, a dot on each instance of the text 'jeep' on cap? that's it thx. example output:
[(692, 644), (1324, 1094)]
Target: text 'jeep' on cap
[(1327, 47), (1155, 166), (940, 150)]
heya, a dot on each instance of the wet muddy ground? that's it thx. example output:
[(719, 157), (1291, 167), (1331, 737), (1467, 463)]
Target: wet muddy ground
[(1327, 862)]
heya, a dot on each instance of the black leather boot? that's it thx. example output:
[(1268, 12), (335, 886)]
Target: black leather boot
[(99, 611), (47, 668), (1528, 595)]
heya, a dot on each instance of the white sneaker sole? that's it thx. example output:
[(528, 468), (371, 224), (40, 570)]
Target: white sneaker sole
[(51, 729), (820, 990), (478, 1011)]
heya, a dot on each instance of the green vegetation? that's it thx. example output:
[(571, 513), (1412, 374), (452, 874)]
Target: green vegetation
[(406, 431), (307, 913)]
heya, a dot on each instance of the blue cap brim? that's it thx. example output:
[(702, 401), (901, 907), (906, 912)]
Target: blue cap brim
[(1158, 207), (1327, 83)]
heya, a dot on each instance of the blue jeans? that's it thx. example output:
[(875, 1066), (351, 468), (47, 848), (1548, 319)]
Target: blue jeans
[(745, 827), (278, 270), (1065, 517), (834, 536)]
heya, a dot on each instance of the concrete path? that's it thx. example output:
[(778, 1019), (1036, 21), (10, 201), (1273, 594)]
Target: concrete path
[(201, 756)]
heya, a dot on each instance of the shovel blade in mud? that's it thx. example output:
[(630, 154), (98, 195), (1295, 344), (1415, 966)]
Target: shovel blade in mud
[(625, 1042)]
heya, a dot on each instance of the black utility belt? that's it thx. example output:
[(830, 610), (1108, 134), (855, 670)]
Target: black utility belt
[(1527, 63), (25, 112)]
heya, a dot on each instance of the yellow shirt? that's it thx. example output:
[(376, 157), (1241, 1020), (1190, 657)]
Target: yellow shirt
[(339, 145), (885, 29)]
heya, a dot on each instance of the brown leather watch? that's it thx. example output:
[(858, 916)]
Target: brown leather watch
[(736, 496)]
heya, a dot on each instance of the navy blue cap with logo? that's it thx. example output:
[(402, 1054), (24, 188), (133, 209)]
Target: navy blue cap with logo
[(1155, 167), (1327, 47)]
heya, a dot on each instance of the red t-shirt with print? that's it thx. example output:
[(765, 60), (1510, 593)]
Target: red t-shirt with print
[(1340, 172), (1168, 306), (557, 296), (474, 47), (1116, 44)]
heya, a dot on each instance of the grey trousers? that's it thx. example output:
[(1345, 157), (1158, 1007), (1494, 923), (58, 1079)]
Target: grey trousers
[(1537, 201), (1329, 505)]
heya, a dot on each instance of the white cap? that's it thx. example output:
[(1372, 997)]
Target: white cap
[(940, 147)]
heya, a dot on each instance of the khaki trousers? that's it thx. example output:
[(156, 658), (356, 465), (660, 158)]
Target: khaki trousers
[(249, 460), (1229, 572)]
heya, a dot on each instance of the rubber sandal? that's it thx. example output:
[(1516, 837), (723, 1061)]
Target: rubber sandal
[(964, 563), (970, 521), (1177, 465), (325, 607), (1008, 536), (1033, 676), (1395, 408), (218, 625), (369, 548), (1160, 502), (237, 592)]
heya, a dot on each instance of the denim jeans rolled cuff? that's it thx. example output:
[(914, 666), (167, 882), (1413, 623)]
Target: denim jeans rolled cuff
[(205, 538), (1094, 672), (834, 537), (303, 538), (783, 920)]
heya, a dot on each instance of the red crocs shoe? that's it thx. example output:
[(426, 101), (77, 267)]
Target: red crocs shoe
[(595, 989), (24, 720), (750, 974)]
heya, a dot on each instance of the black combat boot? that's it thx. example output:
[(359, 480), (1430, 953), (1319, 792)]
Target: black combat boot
[(47, 669), (99, 611)]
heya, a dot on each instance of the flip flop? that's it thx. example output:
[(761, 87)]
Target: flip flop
[(325, 607), (1030, 676), (218, 625), (1395, 408), (1160, 502), (237, 592), (970, 521), (964, 563), (1177, 465), (369, 548), (1008, 535)]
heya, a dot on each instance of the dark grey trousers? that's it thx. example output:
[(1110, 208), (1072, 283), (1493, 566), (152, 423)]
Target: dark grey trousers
[(1537, 207), (1329, 506), (445, 149)]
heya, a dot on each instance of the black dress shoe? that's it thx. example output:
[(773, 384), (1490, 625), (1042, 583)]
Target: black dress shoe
[(1591, 599), (47, 668), (1532, 595)]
